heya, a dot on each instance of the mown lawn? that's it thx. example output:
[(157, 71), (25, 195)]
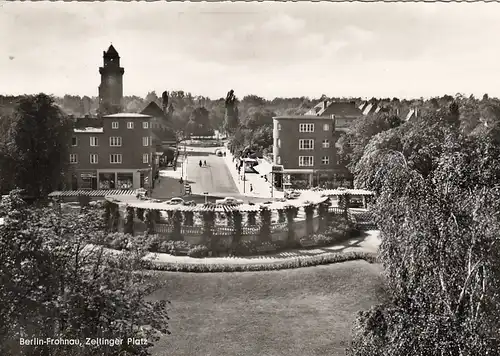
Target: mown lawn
[(299, 312)]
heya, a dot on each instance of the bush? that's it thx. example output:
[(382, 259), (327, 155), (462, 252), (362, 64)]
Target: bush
[(334, 257), (153, 243), (244, 248), (174, 248), (198, 251), (117, 241)]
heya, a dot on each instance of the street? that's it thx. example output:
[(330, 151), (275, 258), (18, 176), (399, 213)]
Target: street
[(215, 178)]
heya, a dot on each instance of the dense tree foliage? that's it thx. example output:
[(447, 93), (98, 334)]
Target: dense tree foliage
[(351, 144), (53, 284), (34, 146), (437, 210)]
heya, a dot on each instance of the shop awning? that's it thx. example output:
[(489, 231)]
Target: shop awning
[(263, 168)]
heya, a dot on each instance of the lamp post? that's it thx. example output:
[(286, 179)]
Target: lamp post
[(244, 176)]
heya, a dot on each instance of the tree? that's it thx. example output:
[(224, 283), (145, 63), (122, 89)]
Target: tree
[(199, 123), (34, 149), (231, 117), (55, 285), (258, 117), (352, 144), (152, 96), (438, 214)]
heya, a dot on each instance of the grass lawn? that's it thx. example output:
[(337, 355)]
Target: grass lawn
[(298, 312)]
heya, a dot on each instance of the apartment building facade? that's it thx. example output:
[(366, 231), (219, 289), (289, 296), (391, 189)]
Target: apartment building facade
[(304, 145), (113, 152)]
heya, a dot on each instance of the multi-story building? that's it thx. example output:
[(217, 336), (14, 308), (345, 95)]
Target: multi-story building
[(114, 152), (304, 145)]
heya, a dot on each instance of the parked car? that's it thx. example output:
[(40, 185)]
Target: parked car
[(219, 153), (229, 201), (356, 203), (292, 195), (175, 201), (190, 203)]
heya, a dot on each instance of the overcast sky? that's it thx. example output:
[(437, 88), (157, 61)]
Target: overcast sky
[(267, 49)]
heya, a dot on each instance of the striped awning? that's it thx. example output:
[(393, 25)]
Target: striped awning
[(217, 208), (337, 191), (92, 193)]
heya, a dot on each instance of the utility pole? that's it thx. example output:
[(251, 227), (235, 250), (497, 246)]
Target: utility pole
[(244, 176), (272, 184)]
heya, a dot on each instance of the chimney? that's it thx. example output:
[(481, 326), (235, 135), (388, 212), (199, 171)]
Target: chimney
[(325, 104)]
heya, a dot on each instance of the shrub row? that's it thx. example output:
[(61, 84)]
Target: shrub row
[(289, 264)]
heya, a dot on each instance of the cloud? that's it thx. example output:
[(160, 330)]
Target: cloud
[(283, 23)]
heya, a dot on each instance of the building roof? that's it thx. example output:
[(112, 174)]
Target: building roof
[(302, 117), (89, 130), (111, 52), (153, 109), (337, 108), (128, 115)]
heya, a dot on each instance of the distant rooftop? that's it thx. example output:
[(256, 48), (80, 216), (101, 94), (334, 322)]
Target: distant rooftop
[(128, 115), (337, 108)]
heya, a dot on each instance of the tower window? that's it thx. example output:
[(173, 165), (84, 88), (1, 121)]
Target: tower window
[(130, 125), (74, 141), (114, 125), (145, 125)]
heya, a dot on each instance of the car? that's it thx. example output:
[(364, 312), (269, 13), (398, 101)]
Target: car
[(175, 201), (356, 203), (229, 201), (219, 153), (292, 195), (190, 203)]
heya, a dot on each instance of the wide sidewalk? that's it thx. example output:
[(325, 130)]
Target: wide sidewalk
[(261, 188), (368, 243)]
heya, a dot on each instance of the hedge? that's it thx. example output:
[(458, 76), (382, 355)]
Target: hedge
[(298, 262)]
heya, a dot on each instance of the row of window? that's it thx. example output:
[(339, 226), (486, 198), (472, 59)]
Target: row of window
[(306, 144), (308, 127), (115, 158), (130, 125), (113, 141), (307, 161)]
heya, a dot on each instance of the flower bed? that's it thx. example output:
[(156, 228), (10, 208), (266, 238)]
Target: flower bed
[(298, 262)]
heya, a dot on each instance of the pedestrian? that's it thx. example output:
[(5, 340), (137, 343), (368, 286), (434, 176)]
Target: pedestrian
[(201, 163), (251, 188), (205, 163)]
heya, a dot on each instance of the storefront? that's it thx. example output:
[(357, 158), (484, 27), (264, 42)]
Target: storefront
[(123, 179), (107, 180), (323, 179), (88, 180)]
